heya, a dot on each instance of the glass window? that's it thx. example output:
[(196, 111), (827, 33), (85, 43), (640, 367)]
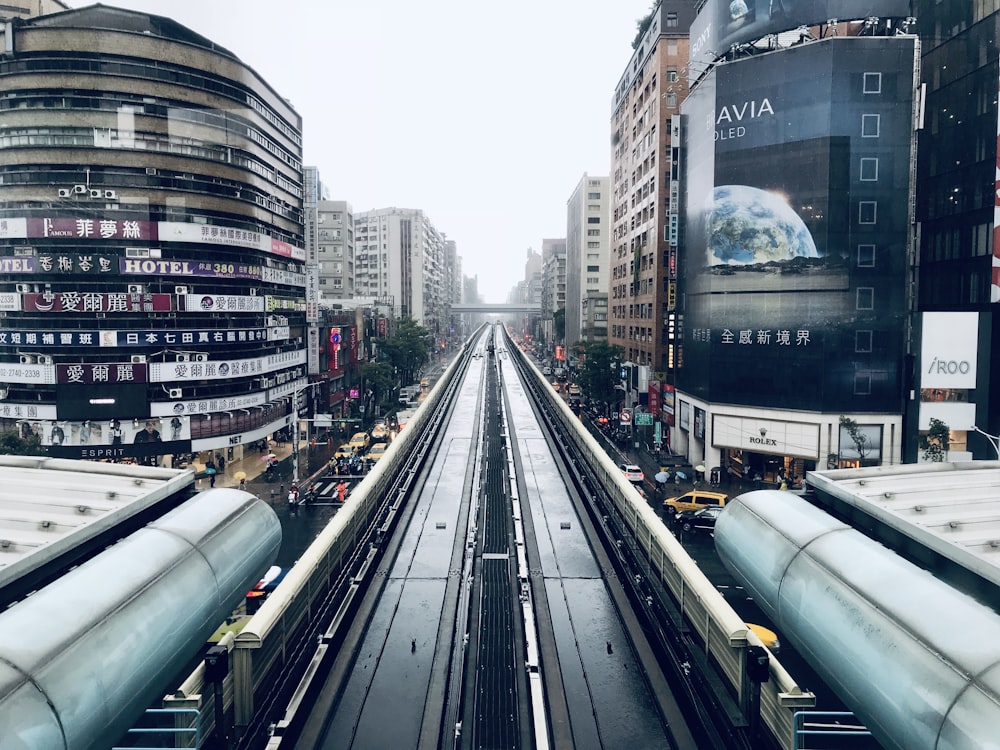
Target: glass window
[(867, 212), (873, 83), (870, 125), (869, 169), (865, 298), (862, 342), (866, 256), (862, 384)]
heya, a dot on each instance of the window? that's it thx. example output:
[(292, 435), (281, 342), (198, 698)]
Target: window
[(869, 169), (593, 269), (865, 298), (672, 75), (671, 99), (870, 126), (873, 83), (866, 256), (862, 384), (862, 342), (593, 196), (671, 20), (867, 212), (593, 219)]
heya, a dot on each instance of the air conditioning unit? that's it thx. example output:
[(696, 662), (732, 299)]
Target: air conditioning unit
[(3, 393), (253, 292), (200, 357), (65, 192), (111, 194), (23, 288), (136, 252), (24, 251), (136, 289), (44, 359), (138, 359), (94, 193), (150, 170), (271, 320), (181, 290), (183, 358), (27, 359), (80, 189), (176, 393)]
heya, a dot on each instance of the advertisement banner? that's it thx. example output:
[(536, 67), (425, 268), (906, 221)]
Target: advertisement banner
[(11, 372), (208, 269), (995, 276), (220, 303), (949, 350), (27, 411), (104, 372), (91, 302), (10, 301), (722, 23), (93, 229), (207, 405), (797, 226)]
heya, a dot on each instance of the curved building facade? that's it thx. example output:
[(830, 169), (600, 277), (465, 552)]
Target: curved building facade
[(152, 268)]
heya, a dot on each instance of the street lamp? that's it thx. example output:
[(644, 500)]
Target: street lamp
[(994, 440)]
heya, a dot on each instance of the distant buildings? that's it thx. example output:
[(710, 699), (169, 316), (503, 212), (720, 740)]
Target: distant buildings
[(588, 240)]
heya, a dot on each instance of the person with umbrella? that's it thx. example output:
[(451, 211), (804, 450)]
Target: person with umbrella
[(210, 471), (242, 477)]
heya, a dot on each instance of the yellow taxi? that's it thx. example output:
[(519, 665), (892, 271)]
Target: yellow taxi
[(377, 451), (360, 441)]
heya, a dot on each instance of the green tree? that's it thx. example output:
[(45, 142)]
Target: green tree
[(12, 444), (599, 373), (861, 441), (407, 350), (377, 383), (936, 441)]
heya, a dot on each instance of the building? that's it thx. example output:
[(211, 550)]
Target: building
[(957, 330), (152, 277), (587, 253), (642, 299), (553, 286), (399, 256), (797, 240)]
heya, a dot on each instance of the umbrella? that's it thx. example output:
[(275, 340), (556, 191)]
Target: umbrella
[(210, 470), (681, 474), (662, 477), (700, 467), (240, 475), (268, 457)]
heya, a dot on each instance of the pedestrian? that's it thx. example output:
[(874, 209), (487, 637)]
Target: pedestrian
[(293, 497), (243, 483), (341, 490), (211, 479)]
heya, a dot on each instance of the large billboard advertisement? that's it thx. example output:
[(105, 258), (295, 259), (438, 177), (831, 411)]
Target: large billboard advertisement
[(722, 23), (798, 219)]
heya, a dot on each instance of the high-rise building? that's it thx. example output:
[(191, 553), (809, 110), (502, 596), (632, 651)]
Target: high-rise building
[(642, 299), (797, 243), (957, 280), (587, 253), (553, 285), (152, 276), (399, 258)]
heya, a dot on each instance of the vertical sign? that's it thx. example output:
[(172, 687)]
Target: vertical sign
[(995, 278)]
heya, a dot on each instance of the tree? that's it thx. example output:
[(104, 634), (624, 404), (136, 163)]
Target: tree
[(377, 383), (12, 444), (407, 350), (861, 441), (936, 441), (642, 25), (600, 372)]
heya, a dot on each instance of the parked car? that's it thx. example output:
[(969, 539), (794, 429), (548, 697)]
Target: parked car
[(632, 473), (360, 441), (702, 519), (693, 500)]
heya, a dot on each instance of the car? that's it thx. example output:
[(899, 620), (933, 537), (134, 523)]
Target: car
[(377, 451), (693, 500), (546, 370), (767, 636), (380, 431), (425, 382), (360, 441), (702, 519), (632, 473), (344, 451), (574, 390)]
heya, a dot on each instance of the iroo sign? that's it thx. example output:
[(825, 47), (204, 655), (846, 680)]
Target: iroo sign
[(949, 350)]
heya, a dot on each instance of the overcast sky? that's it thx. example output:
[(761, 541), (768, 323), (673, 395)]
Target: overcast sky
[(483, 115)]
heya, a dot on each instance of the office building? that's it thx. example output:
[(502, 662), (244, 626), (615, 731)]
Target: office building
[(588, 239)]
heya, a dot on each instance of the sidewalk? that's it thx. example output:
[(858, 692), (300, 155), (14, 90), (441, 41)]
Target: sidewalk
[(312, 461)]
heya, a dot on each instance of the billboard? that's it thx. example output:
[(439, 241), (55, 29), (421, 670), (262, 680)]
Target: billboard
[(722, 23), (797, 234)]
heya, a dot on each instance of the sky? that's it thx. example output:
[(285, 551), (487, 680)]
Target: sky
[(485, 116)]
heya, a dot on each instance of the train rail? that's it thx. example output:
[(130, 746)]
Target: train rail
[(666, 662)]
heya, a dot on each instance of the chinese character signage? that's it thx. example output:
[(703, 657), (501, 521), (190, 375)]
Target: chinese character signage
[(90, 302), (88, 374)]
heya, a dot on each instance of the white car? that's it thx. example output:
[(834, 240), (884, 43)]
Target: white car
[(632, 473)]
